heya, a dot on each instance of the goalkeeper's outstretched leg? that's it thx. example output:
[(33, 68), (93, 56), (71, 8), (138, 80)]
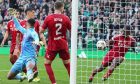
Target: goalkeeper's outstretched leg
[(113, 63), (116, 62), (101, 68)]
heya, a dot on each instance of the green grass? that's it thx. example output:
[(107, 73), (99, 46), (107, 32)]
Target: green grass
[(127, 73), (59, 70)]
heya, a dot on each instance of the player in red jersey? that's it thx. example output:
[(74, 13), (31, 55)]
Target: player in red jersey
[(30, 14), (11, 30), (57, 25), (119, 45)]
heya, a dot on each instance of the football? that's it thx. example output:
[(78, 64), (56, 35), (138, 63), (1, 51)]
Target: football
[(101, 45)]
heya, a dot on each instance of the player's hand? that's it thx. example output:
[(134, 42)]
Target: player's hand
[(41, 43), (12, 12), (2, 44)]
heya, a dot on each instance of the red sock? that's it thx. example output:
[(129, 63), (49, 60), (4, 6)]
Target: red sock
[(50, 73), (35, 68), (68, 68), (109, 72)]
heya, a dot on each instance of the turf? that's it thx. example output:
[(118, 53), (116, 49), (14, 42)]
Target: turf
[(59, 70), (127, 73)]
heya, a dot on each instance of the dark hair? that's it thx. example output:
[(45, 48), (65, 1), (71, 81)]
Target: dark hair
[(58, 5), (127, 27), (29, 9), (31, 22)]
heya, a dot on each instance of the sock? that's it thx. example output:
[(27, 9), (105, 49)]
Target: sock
[(93, 74), (68, 68), (29, 71), (18, 77), (109, 72), (50, 73), (35, 68)]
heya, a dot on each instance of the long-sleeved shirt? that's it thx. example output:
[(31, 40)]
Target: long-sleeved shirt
[(28, 49)]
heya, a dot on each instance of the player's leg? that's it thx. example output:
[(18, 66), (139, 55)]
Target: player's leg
[(94, 72), (67, 65), (16, 68), (13, 56), (105, 63), (29, 67), (50, 56), (16, 54), (116, 62), (65, 56), (37, 79)]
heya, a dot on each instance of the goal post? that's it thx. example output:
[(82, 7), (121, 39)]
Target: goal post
[(73, 62)]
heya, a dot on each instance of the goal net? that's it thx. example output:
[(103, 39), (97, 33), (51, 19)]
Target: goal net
[(101, 20)]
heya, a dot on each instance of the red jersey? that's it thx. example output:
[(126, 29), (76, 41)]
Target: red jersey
[(121, 45), (13, 31), (23, 24), (57, 25)]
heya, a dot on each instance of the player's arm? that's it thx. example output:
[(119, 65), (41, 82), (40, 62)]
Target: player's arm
[(69, 26), (110, 44), (5, 38), (42, 30), (42, 37), (18, 26), (133, 46), (18, 39), (6, 34)]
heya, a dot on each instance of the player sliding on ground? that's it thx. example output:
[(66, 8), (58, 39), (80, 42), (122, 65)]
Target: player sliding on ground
[(27, 58), (30, 13), (57, 25), (119, 45)]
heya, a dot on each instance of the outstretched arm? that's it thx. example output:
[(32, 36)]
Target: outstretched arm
[(18, 26)]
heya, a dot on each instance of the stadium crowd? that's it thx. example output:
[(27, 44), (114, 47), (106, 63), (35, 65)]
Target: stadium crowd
[(98, 19)]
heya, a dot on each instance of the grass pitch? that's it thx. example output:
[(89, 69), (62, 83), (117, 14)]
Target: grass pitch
[(127, 73)]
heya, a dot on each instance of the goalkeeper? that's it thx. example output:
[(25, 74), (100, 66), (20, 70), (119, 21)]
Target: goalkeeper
[(27, 58)]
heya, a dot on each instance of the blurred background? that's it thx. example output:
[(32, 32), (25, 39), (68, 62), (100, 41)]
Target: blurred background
[(98, 19)]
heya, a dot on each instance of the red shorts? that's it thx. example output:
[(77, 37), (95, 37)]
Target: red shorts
[(12, 48), (108, 60), (63, 54)]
